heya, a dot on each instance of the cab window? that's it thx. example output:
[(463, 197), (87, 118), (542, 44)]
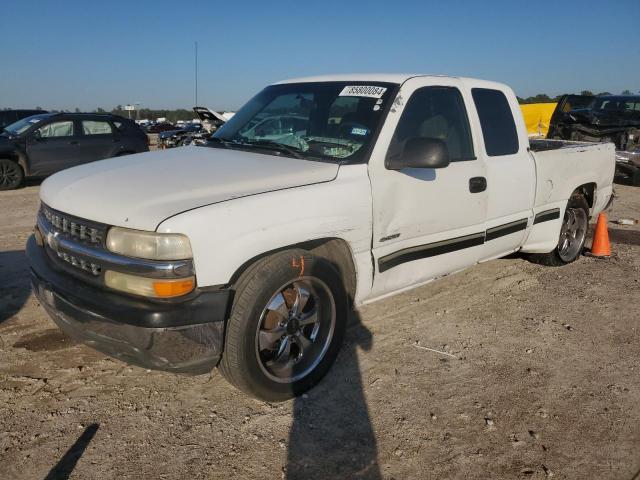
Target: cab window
[(496, 120), (437, 113)]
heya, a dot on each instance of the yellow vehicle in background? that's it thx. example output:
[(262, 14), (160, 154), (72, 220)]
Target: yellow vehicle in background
[(537, 117)]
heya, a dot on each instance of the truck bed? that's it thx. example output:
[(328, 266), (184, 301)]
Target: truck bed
[(561, 165), (543, 144)]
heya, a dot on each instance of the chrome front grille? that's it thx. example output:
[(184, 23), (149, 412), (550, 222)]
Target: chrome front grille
[(66, 236), (73, 227), (92, 268), (77, 246)]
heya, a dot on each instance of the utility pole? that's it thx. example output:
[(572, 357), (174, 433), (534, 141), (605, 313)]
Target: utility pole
[(196, 43)]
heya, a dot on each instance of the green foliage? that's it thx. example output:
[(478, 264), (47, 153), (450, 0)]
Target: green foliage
[(539, 98)]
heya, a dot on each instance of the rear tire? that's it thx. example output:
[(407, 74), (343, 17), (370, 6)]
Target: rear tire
[(286, 326), (572, 235), (11, 174)]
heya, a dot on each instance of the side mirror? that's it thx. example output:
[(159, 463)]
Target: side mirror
[(421, 152), (37, 135)]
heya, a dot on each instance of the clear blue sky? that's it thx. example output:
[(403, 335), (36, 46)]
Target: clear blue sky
[(101, 53)]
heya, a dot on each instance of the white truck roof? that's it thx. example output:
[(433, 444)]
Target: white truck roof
[(381, 77)]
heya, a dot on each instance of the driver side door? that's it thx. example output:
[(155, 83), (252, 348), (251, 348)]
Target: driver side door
[(52, 147), (427, 222)]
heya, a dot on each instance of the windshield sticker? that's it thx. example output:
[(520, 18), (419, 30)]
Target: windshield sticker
[(359, 131), (369, 91)]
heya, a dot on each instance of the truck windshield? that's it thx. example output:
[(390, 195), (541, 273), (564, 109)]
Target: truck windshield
[(25, 124), (328, 120)]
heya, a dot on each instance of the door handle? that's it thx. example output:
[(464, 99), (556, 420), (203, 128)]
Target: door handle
[(73, 142), (477, 184)]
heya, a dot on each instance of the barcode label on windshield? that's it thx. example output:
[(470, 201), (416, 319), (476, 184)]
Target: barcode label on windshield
[(370, 91)]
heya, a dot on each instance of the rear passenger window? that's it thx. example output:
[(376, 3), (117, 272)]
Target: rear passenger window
[(96, 127), (496, 120), (435, 112)]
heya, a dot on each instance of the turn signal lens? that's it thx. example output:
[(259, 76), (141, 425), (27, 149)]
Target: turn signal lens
[(148, 287), (173, 288)]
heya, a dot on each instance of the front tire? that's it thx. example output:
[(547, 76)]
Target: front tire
[(286, 325), (573, 234), (11, 174)]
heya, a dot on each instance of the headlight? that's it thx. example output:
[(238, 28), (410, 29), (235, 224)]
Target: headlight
[(148, 287), (150, 245)]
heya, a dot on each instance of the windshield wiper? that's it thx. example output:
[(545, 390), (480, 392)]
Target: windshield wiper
[(271, 145), (267, 145), (221, 141)]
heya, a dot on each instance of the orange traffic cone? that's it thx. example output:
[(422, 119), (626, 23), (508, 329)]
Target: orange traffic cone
[(601, 246)]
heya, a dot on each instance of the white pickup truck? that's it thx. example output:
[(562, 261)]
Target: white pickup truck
[(320, 194)]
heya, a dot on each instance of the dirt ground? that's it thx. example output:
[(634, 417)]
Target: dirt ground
[(539, 377)]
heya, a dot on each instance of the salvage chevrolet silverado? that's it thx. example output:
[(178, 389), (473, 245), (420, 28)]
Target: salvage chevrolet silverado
[(320, 194)]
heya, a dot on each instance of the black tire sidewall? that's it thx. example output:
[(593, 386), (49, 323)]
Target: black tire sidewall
[(19, 171), (263, 283)]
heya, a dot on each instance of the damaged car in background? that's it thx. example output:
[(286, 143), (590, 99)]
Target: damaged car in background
[(607, 118), (195, 133)]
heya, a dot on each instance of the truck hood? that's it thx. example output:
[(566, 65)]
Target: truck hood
[(140, 191)]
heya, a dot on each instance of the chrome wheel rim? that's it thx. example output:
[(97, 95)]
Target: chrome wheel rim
[(572, 233), (295, 330)]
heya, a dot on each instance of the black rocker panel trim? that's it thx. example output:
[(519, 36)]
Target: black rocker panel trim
[(506, 229), (547, 216), (429, 250), (450, 245)]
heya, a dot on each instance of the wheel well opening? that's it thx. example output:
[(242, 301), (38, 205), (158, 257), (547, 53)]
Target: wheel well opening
[(334, 250), (588, 190), (13, 158)]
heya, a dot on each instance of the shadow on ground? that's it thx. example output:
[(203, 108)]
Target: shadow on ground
[(331, 435), (33, 182), (15, 287), (629, 237), (67, 463)]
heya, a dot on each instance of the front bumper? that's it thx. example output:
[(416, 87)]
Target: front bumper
[(181, 337)]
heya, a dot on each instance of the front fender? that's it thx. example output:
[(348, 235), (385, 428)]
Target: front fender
[(17, 154), (225, 235)]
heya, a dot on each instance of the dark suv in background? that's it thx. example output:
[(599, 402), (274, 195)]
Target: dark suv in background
[(46, 143)]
